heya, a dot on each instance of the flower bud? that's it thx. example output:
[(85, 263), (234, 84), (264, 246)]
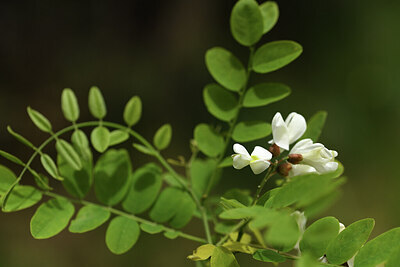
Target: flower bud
[(295, 158), (275, 150), (284, 169)]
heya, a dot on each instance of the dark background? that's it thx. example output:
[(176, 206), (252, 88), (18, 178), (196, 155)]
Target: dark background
[(155, 49)]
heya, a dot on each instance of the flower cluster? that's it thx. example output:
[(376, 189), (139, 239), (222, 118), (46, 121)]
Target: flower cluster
[(304, 157)]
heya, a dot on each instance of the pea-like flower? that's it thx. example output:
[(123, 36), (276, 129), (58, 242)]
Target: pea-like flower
[(289, 131), (315, 158), (258, 160)]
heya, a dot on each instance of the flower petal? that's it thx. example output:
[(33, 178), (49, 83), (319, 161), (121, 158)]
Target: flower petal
[(239, 149), (258, 166), (239, 162), (300, 169), (301, 146), (261, 153), (280, 132), (296, 125)]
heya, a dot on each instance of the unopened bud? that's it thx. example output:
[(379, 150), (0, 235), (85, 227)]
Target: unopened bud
[(295, 158), (284, 169), (275, 150)]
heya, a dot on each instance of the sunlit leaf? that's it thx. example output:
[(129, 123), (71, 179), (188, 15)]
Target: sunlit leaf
[(118, 137), (39, 120), (68, 153), (247, 131), (265, 93), (208, 141), (133, 111), (50, 166), (202, 253), (223, 257), (151, 228), (163, 136), (270, 14), (69, 105), (89, 218), (184, 213), (100, 138), (221, 103), (97, 106), (122, 233), (22, 197), (315, 125)]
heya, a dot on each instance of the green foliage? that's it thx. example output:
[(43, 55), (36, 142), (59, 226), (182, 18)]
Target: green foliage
[(163, 136), (22, 197), (100, 138), (166, 205), (69, 105), (223, 257), (151, 228), (221, 103), (185, 211), (118, 137), (275, 55), (270, 14), (267, 255), (39, 120), (89, 218), (97, 106), (133, 111), (122, 233), (265, 93), (201, 172), (208, 141), (247, 131), (69, 155), (51, 218), (7, 178), (315, 125), (81, 144), (50, 166)]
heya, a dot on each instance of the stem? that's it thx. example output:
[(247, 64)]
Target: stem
[(236, 228), (127, 215), (269, 174)]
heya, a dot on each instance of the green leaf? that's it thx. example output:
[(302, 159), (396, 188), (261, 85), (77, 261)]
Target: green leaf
[(247, 131), (228, 204), (151, 228), (76, 182), (225, 68), (39, 120), (318, 235), (111, 176), (81, 144), (222, 256), (283, 233), (11, 158), (97, 106), (7, 178), (50, 166), (69, 105), (20, 138), (221, 103), (247, 25), (22, 197), (270, 14), (118, 137), (267, 255), (163, 136), (322, 204), (379, 249), (265, 93), (100, 138), (394, 258), (241, 195), (41, 181), (144, 188), (201, 172), (208, 141), (122, 234), (89, 218), (202, 253), (185, 211), (242, 213), (143, 149), (165, 207), (51, 218), (275, 55), (171, 234), (315, 125), (133, 111), (226, 162), (68, 153), (225, 227), (307, 260), (349, 241)]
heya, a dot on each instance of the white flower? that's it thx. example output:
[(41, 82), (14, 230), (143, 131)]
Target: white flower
[(258, 161), (301, 220), (289, 131), (316, 158)]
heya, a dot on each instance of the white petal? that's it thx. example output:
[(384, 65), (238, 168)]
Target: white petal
[(239, 149), (280, 131), (301, 146), (330, 167), (258, 166), (334, 153), (341, 227), (351, 261), (300, 169), (296, 125), (261, 153), (240, 162)]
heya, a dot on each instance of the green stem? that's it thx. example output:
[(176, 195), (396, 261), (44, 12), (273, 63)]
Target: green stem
[(127, 215), (260, 187)]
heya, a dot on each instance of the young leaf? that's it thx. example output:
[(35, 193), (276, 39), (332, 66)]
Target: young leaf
[(143, 149), (315, 125), (20, 138), (100, 138), (165, 207), (208, 141), (151, 228), (379, 249), (22, 197), (7, 178), (50, 166), (202, 253), (89, 218), (97, 105), (267, 255), (270, 14), (247, 25), (220, 103), (163, 136), (225, 68), (247, 131), (68, 153), (11, 158), (185, 211), (69, 105), (143, 190), (171, 234), (318, 235), (349, 241), (242, 213), (122, 233), (275, 55), (222, 256), (118, 137), (265, 93), (133, 111), (39, 120), (111, 176), (76, 182), (51, 218)]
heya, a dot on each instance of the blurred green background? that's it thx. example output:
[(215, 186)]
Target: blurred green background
[(155, 49)]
